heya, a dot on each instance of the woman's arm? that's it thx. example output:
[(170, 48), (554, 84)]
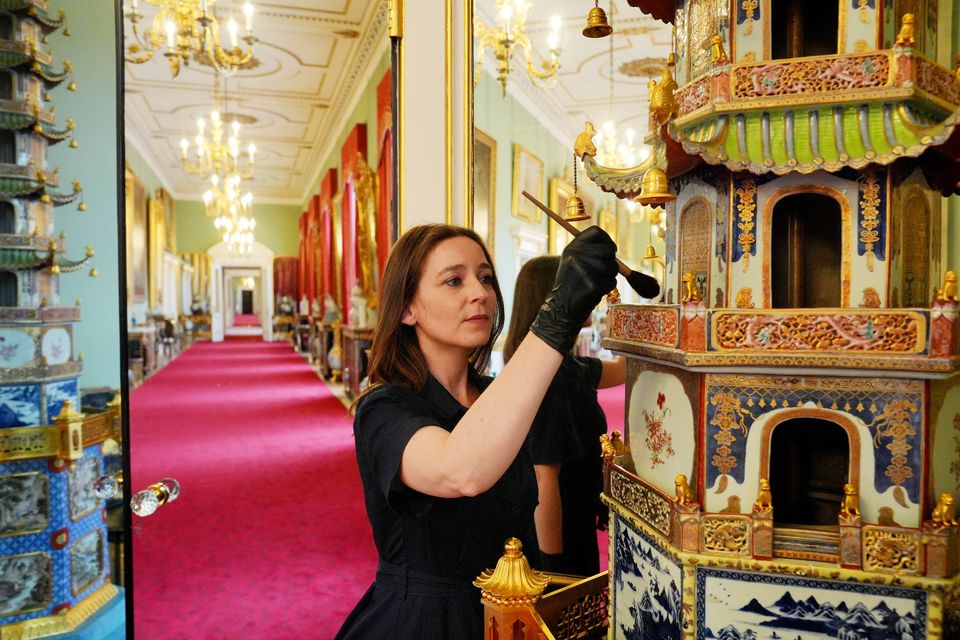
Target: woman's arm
[(614, 372), (549, 513), (471, 458)]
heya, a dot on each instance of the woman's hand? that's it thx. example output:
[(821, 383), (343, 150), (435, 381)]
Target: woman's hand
[(588, 271)]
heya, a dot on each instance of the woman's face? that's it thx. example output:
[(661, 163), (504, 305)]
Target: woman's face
[(455, 302)]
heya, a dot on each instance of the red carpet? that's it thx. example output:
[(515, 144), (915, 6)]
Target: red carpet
[(269, 538), (612, 400), (246, 320)]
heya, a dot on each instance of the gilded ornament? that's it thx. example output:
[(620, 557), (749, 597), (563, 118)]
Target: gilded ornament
[(871, 299), (864, 15), (749, 8), (948, 292), (690, 291), (906, 36), (890, 551), (944, 513), (683, 495), (745, 298), (583, 145), (869, 214), (764, 502), (717, 54), (728, 418), (663, 104), (894, 422), (747, 208), (512, 582), (850, 507), (726, 535)]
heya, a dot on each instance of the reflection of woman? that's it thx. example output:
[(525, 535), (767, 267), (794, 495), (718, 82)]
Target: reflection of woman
[(564, 440), (439, 446)]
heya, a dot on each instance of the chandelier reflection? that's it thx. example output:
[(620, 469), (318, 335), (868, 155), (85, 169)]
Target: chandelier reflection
[(188, 29), (231, 213), (509, 37), (214, 155)]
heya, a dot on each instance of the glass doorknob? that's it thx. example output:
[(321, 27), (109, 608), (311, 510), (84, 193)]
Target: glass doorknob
[(146, 502), (108, 486)]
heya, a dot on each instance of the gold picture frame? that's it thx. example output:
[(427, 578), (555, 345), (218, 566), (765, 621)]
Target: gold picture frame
[(527, 176), (558, 237), (484, 187), (136, 223)]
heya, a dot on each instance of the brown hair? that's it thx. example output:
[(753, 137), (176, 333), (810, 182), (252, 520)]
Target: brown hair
[(395, 356), (533, 284)]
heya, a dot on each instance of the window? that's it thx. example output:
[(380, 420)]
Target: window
[(809, 464), (8, 289), (801, 28), (806, 249)]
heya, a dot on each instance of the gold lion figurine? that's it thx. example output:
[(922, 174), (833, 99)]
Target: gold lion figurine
[(945, 513), (850, 507), (948, 292), (764, 497), (684, 495)]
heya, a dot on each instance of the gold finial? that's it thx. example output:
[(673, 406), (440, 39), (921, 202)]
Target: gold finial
[(82, 206), (71, 124), (74, 144), (80, 356), (945, 513), (89, 250), (94, 273), (597, 25), (611, 446), (684, 495), (78, 302), (55, 269), (512, 581), (717, 54), (613, 297), (583, 145), (67, 412), (850, 507), (764, 497), (63, 234), (46, 96), (948, 292), (905, 37)]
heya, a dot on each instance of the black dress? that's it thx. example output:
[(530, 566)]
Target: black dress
[(430, 549), (567, 432)]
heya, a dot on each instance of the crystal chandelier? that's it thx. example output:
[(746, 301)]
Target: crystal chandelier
[(214, 155), (185, 29), (611, 150), (508, 36), (231, 213)]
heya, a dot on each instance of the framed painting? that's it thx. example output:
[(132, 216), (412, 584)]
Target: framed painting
[(484, 186), (157, 238), (527, 176), (135, 211), (557, 236)]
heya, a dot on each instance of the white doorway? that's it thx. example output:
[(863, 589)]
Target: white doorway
[(231, 276)]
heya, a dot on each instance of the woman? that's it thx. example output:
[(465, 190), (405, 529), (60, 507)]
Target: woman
[(438, 445), (564, 441)]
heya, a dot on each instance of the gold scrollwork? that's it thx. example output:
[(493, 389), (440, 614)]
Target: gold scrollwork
[(652, 508), (747, 208), (583, 616), (894, 423), (728, 417), (749, 7), (869, 214)]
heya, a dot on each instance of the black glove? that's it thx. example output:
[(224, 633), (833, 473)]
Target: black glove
[(588, 271)]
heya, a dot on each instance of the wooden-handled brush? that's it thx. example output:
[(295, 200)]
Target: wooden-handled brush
[(645, 285)]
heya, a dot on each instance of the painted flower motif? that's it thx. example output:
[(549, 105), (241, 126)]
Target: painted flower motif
[(658, 440), (8, 351)]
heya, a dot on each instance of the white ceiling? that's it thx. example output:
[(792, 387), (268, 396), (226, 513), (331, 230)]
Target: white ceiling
[(311, 57), (582, 88)]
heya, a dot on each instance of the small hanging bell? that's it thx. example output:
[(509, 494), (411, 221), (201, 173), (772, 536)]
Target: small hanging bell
[(597, 25), (655, 189), (575, 210)]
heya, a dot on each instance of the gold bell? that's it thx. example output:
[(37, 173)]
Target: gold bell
[(655, 189), (575, 209), (597, 25), (94, 273)]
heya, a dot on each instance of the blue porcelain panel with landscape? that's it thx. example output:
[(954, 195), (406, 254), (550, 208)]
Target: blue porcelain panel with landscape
[(19, 405)]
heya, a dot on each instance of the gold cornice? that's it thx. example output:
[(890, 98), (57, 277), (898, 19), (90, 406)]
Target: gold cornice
[(55, 625)]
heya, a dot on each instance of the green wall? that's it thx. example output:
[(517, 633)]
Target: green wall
[(143, 171), (94, 163), (277, 227), (365, 111)]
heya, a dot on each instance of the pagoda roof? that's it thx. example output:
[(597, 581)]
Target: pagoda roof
[(26, 259), (663, 10), (36, 9)]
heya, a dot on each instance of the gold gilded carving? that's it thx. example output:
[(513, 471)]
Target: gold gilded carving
[(869, 214), (871, 299), (747, 208), (850, 507), (726, 535), (611, 446), (890, 332), (764, 501), (745, 298), (704, 17), (512, 582), (663, 104), (585, 615), (861, 46), (945, 513), (728, 418), (717, 54), (652, 508), (693, 96), (750, 57), (28, 442), (894, 423), (690, 291), (683, 495), (811, 75), (583, 145), (890, 551), (733, 505), (366, 229), (864, 16), (948, 292)]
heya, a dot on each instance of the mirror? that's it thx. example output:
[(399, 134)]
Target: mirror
[(525, 126), (62, 563)]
